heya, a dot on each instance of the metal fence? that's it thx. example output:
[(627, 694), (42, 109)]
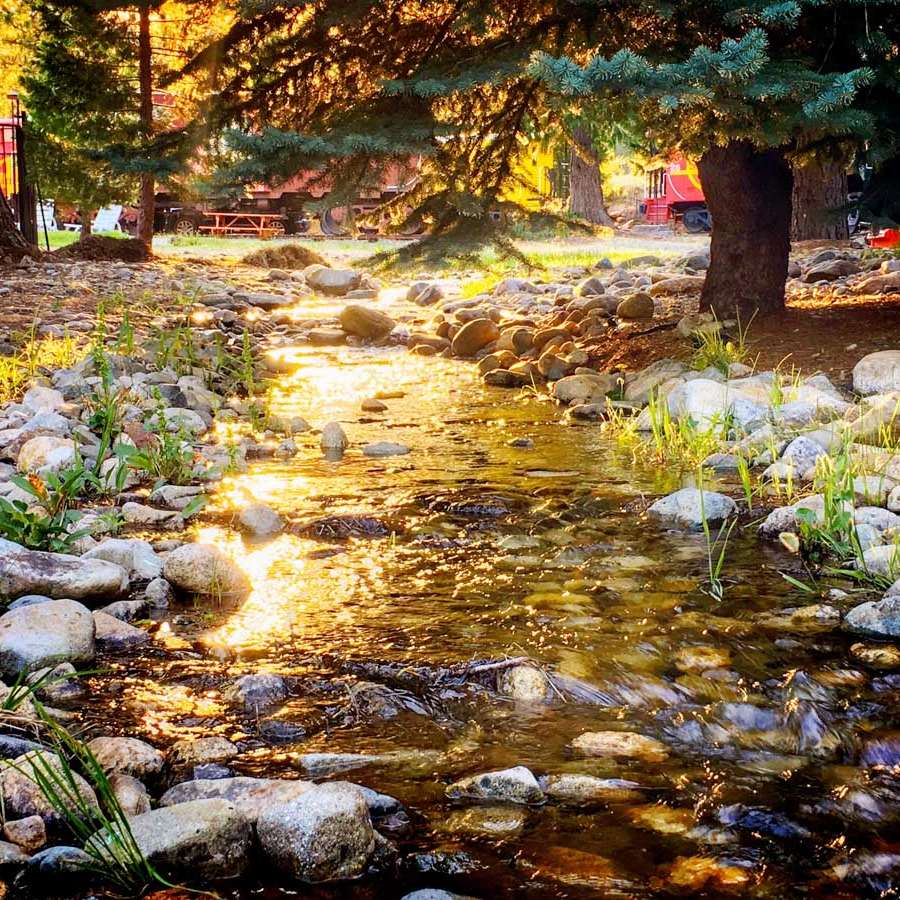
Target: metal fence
[(14, 182)]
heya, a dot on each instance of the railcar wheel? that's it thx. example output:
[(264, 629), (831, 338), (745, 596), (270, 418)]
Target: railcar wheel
[(332, 221), (185, 226)]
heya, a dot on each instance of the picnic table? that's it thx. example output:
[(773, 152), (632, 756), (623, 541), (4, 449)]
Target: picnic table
[(262, 225)]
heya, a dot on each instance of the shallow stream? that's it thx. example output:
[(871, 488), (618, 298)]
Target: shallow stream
[(540, 551)]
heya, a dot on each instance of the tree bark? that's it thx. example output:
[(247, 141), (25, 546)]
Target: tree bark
[(748, 192), (87, 219), (820, 187), (145, 213), (585, 187), (12, 243)]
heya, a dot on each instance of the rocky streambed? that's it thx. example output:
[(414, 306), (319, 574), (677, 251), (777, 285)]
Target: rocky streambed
[(428, 634)]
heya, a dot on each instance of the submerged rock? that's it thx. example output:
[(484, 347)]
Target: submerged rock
[(323, 835), (587, 789), (527, 684), (256, 692), (516, 785), (624, 744), (260, 520)]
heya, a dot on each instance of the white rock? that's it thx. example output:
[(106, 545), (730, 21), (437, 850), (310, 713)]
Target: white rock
[(137, 557), (46, 453), (877, 373), (43, 399), (689, 506)]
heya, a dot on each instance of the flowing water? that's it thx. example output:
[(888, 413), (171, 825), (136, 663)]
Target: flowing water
[(495, 550)]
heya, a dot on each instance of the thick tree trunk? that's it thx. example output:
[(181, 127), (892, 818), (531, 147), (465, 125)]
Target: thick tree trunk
[(748, 193), (820, 187), (87, 219), (12, 243), (585, 186), (145, 213)]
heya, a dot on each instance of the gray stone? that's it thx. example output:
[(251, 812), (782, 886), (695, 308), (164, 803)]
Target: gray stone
[(636, 306), (130, 793), (516, 785), (879, 617), (688, 508), (385, 448), (877, 373), (149, 517), (576, 789), (45, 634), (205, 838), (45, 454), (127, 756), (135, 556), (249, 795), (323, 835), (333, 437), (883, 561), (335, 282), (255, 692), (260, 520), (112, 634), (57, 575), (205, 570), (22, 797)]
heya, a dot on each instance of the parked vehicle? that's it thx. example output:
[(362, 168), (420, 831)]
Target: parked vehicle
[(674, 196)]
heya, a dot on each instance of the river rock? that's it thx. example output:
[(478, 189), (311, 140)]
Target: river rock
[(620, 744), (333, 437), (639, 386), (877, 373), (57, 575), (323, 835), (29, 833), (205, 570), (260, 520), (700, 658), (883, 561), (385, 448), (685, 508), (43, 399), (34, 637), (192, 752), (255, 692), (205, 838), (335, 282), (46, 453), (575, 789), (186, 420), (21, 795), (249, 795), (473, 336), (881, 617), (127, 756), (365, 322), (527, 684), (150, 517), (112, 634), (136, 557), (48, 867), (130, 793), (636, 306), (677, 284), (515, 785), (583, 388)]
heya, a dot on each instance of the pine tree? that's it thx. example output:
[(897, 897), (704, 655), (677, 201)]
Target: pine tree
[(742, 86), (88, 92)]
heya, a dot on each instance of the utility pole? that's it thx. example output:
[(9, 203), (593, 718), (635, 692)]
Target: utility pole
[(145, 75)]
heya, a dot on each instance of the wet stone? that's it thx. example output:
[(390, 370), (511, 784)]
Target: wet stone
[(622, 744), (489, 821), (578, 790), (516, 785)]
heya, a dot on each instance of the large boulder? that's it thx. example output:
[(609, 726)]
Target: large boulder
[(877, 373), (205, 570), (336, 282), (57, 575), (251, 796), (366, 322), (878, 617), (45, 634), (22, 796), (709, 403), (205, 838), (690, 506), (138, 558), (323, 835), (474, 336)]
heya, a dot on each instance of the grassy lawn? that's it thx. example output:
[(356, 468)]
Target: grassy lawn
[(64, 238)]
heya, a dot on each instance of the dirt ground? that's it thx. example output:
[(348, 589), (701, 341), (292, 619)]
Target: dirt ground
[(811, 335)]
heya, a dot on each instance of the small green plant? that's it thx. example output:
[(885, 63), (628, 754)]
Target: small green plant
[(716, 548), (743, 470), (175, 348), (715, 350), (46, 523), (166, 457)]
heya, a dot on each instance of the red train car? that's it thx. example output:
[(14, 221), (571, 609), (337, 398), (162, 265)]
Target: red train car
[(674, 195)]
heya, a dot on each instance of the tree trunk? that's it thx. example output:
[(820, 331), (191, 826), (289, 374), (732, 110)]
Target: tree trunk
[(585, 187), (145, 213), (12, 243), (748, 192), (87, 219), (820, 187)]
